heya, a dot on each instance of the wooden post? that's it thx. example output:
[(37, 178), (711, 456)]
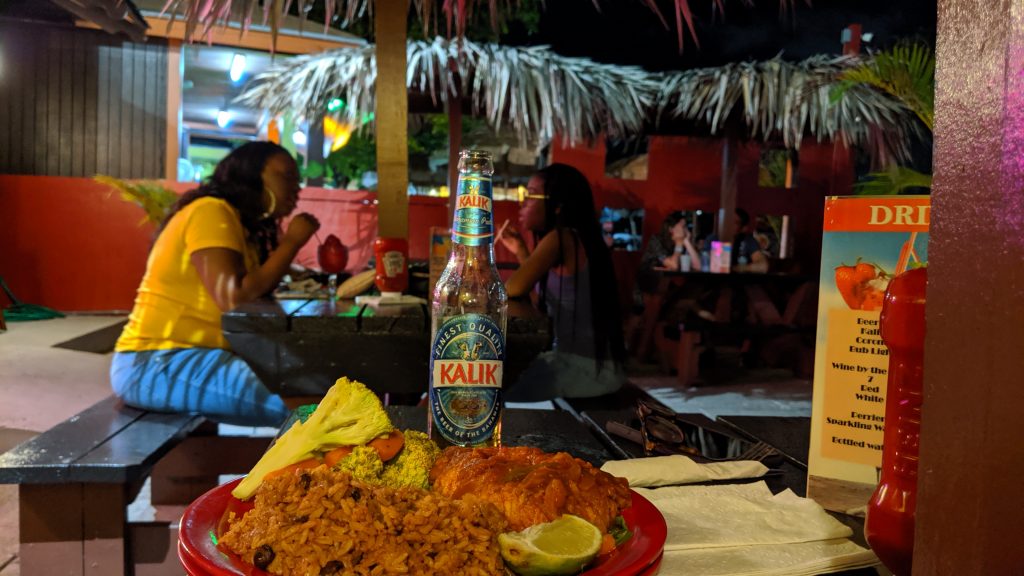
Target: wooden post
[(315, 150), (970, 501), (851, 40), (454, 146), (727, 202), (392, 119), (172, 142)]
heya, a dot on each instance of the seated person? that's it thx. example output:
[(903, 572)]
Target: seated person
[(218, 247), (665, 249), (573, 265), (747, 254)]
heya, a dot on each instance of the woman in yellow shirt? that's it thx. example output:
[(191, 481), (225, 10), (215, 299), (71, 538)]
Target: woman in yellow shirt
[(218, 247)]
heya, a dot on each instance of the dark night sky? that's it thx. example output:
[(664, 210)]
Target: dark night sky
[(627, 32)]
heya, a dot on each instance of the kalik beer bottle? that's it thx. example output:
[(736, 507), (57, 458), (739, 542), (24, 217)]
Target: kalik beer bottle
[(468, 317)]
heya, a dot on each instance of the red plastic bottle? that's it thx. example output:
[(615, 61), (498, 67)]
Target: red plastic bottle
[(889, 527), (392, 271)]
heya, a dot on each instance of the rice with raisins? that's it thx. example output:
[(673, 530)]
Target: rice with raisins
[(325, 522)]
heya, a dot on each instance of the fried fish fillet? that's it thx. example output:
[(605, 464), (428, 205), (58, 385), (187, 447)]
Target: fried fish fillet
[(531, 486)]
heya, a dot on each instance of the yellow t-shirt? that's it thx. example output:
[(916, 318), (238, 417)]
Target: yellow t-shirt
[(173, 308)]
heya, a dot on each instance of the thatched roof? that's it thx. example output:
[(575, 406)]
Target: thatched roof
[(790, 100), (533, 90), (539, 94)]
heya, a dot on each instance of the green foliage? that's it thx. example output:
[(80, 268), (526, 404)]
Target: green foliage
[(896, 180), (355, 158), (905, 71), (150, 195)]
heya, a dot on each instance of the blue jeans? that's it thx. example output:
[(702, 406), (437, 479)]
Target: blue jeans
[(207, 381)]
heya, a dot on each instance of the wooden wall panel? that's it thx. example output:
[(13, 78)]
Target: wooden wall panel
[(78, 102)]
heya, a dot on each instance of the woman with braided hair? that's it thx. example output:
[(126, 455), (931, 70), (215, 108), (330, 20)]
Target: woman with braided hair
[(219, 247)]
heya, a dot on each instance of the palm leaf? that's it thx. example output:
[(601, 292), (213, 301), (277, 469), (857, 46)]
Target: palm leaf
[(895, 180), (905, 72), (150, 195)]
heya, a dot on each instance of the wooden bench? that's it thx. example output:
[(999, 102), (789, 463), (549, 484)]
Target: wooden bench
[(77, 479)]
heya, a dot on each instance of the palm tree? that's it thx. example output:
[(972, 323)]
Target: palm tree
[(907, 73)]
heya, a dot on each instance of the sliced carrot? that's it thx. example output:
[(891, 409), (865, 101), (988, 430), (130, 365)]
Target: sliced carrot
[(389, 446), (607, 544), (291, 468), (335, 456)]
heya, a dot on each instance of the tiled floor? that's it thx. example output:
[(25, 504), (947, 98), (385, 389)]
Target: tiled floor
[(41, 386)]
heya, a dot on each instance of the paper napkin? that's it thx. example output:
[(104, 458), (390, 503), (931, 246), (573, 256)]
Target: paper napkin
[(745, 530), (679, 469), (740, 515)]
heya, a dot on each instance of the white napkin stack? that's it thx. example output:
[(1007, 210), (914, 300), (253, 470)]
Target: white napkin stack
[(678, 469), (739, 529)]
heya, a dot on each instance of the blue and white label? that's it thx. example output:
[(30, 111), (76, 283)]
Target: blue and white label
[(466, 362), (473, 224)]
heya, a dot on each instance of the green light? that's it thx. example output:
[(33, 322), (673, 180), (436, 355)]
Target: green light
[(335, 104), (213, 537), (367, 117)]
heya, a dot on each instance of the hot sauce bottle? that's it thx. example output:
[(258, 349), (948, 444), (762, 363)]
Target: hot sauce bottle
[(889, 527), (468, 318)]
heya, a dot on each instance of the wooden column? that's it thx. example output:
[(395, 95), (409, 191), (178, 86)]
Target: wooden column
[(175, 72), (392, 122), (970, 500), (454, 146), (727, 202), (315, 150)]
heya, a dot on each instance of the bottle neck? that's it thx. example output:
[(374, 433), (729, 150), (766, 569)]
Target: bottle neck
[(473, 222)]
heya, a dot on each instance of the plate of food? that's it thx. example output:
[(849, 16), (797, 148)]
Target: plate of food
[(392, 502)]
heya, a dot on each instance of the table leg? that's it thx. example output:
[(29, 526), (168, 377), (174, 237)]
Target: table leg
[(73, 529)]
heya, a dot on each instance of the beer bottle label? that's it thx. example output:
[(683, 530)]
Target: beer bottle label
[(473, 224), (465, 374)]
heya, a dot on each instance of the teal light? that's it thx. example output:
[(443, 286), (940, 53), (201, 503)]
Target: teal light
[(335, 104)]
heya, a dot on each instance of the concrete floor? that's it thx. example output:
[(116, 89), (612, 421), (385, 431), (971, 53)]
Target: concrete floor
[(41, 386)]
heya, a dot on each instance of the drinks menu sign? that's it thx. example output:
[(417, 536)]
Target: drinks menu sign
[(866, 241)]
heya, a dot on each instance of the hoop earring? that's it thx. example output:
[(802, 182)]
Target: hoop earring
[(273, 205)]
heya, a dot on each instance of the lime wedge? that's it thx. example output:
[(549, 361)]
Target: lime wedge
[(563, 546)]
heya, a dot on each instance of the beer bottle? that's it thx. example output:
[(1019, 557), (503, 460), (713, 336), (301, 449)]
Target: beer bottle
[(468, 318)]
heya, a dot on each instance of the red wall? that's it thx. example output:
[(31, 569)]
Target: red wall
[(684, 173), (69, 244)]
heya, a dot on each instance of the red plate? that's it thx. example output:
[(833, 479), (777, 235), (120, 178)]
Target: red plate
[(200, 527)]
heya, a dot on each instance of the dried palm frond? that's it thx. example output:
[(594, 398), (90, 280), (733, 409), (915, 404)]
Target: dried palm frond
[(778, 99), (533, 90)]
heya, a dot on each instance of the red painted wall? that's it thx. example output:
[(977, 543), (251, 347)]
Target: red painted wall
[(69, 244), (684, 173)]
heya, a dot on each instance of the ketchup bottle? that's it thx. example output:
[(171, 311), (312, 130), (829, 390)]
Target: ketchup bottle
[(889, 527), (392, 270)]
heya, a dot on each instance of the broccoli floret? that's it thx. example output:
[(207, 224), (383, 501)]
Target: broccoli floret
[(349, 415), (412, 465), (363, 463)]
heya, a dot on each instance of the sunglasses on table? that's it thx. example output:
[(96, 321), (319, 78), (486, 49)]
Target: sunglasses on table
[(663, 432)]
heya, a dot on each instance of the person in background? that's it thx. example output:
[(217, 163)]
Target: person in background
[(218, 247), (747, 255), (573, 265), (665, 250)]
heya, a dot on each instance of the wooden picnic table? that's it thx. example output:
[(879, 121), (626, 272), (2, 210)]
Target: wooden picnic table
[(301, 347)]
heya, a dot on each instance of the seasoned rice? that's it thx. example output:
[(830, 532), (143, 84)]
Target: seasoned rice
[(325, 522)]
